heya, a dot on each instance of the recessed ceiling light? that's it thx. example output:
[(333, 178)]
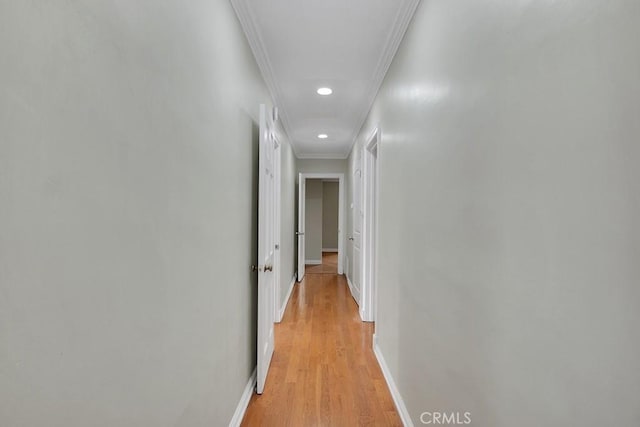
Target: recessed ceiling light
[(325, 91), (323, 136)]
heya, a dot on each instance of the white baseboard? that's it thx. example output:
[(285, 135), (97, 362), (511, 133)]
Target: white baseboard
[(286, 300), (354, 293), (244, 401), (313, 261), (395, 394), (329, 249)]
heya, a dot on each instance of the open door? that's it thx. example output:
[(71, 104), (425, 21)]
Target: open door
[(266, 245), (301, 219)]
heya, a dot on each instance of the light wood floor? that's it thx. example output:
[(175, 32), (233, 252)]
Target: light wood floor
[(323, 371), (329, 265)]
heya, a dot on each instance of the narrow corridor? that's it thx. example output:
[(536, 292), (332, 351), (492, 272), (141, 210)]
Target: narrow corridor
[(323, 371)]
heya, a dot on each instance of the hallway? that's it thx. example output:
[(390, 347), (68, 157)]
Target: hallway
[(323, 371), (474, 163)]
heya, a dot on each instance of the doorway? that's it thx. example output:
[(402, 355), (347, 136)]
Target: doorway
[(321, 226), (327, 245)]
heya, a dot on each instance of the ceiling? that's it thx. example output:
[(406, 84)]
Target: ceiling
[(302, 45)]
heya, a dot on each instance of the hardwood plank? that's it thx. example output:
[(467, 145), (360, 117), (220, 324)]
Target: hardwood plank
[(329, 265), (323, 370)]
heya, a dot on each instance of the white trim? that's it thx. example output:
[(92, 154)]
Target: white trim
[(286, 299), (341, 209), (373, 140), (393, 389), (329, 249), (277, 262), (369, 226), (300, 226), (238, 415), (248, 22), (328, 156), (313, 262), (399, 27)]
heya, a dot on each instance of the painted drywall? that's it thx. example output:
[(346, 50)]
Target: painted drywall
[(330, 191), (510, 212), (321, 166), (128, 194), (313, 220), (289, 205)]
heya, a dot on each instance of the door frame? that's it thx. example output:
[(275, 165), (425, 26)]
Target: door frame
[(300, 230), (277, 161), (370, 227), (302, 178)]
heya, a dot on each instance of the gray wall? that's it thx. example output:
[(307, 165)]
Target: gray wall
[(510, 212), (289, 206), (125, 292), (330, 191), (322, 166), (313, 220)]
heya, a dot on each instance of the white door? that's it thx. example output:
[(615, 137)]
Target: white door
[(369, 228), (356, 238), (300, 233), (266, 245), (277, 229)]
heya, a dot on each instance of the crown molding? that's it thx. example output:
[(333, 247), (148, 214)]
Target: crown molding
[(248, 24), (328, 156), (398, 30)]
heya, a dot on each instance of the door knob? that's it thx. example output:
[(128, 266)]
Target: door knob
[(254, 268), (299, 233), (268, 268), (351, 238)]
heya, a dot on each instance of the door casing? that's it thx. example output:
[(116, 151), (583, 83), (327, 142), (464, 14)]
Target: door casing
[(369, 228), (302, 180)]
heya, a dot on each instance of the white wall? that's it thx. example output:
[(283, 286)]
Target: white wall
[(330, 203), (509, 212), (125, 292), (313, 220)]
